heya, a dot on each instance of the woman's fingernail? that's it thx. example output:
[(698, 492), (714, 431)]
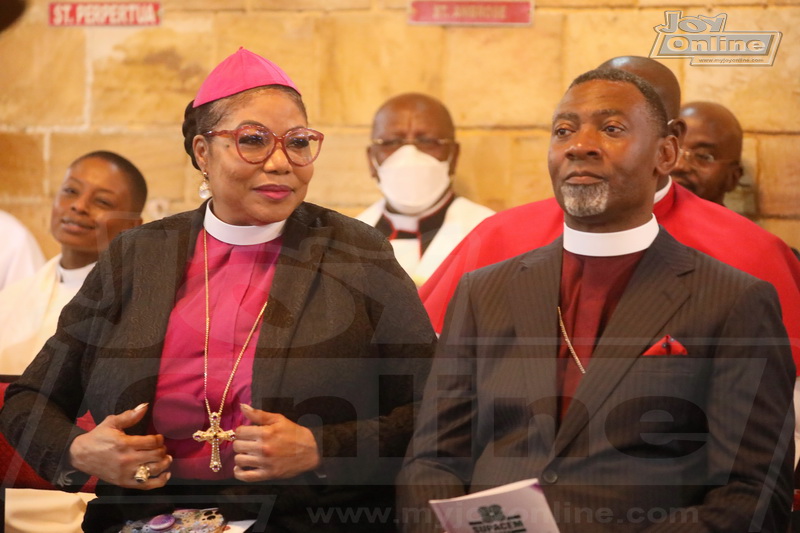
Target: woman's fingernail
[(245, 407), (141, 406)]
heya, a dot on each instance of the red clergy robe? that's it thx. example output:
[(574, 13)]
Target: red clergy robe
[(240, 278), (706, 226)]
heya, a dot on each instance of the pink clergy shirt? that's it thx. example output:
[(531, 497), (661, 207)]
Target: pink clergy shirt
[(239, 278)]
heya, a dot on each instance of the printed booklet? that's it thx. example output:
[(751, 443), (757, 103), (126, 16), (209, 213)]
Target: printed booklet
[(518, 507)]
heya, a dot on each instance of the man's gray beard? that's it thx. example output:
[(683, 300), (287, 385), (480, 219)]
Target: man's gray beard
[(585, 200)]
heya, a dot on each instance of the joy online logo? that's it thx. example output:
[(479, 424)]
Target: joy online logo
[(705, 40)]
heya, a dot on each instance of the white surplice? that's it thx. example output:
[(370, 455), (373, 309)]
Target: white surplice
[(29, 310)]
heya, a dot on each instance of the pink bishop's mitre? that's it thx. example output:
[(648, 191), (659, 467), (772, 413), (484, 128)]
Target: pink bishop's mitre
[(239, 72)]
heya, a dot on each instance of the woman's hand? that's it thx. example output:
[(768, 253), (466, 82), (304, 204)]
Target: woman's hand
[(113, 456), (273, 447)]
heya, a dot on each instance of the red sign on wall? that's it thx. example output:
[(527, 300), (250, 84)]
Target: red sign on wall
[(105, 14), (512, 12)]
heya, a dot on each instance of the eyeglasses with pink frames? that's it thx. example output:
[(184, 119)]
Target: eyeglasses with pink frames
[(256, 144)]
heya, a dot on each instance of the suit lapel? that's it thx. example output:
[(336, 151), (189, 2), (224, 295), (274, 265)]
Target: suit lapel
[(653, 296), (298, 265), (163, 263), (533, 298)]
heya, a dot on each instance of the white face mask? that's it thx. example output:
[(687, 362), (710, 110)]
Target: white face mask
[(411, 180)]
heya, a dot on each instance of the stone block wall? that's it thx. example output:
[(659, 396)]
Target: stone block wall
[(65, 91)]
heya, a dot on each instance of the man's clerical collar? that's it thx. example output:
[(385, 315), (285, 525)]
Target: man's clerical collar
[(73, 277), (611, 244), (240, 235), (411, 222), (662, 192)]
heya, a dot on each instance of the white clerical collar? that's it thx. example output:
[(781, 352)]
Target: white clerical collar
[(411, 222), (240, 235), (662, 192), (611, 244), (73, 278)]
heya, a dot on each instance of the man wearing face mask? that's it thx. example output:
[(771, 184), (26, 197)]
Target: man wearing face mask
[(413, 156)]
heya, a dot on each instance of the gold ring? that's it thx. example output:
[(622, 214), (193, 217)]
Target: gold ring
[(142, 473)]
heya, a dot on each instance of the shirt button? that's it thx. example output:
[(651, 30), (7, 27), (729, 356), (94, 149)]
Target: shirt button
[(549, 476)]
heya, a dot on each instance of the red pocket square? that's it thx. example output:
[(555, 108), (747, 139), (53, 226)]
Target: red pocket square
[(667, 345)]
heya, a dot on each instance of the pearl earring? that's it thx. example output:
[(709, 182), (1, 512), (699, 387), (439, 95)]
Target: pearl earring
[(204, 191)]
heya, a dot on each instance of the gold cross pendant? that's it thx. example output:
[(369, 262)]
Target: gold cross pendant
[(214, 434)]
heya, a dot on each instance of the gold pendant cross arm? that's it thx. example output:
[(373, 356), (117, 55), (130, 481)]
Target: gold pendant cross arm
[(214, 435)]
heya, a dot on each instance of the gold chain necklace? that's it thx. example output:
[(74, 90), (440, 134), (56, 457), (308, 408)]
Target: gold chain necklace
[(214, 434), (569, 342)]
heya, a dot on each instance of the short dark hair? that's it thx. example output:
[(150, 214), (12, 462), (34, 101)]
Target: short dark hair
[(197, 120), (136, 180), (655, 106)]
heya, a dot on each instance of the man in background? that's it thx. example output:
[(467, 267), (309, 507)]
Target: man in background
[(710, 165), (102, 194), (413, 157)]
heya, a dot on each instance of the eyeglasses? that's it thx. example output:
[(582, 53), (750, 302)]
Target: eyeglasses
[(701, 158), (424, 144), (256, 144)]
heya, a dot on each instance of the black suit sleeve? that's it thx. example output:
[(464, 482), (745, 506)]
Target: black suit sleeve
[(399, 331), (442, 452)]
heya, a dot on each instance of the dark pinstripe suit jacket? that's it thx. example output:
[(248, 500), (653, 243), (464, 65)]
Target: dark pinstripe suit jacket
[(698, 442)]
